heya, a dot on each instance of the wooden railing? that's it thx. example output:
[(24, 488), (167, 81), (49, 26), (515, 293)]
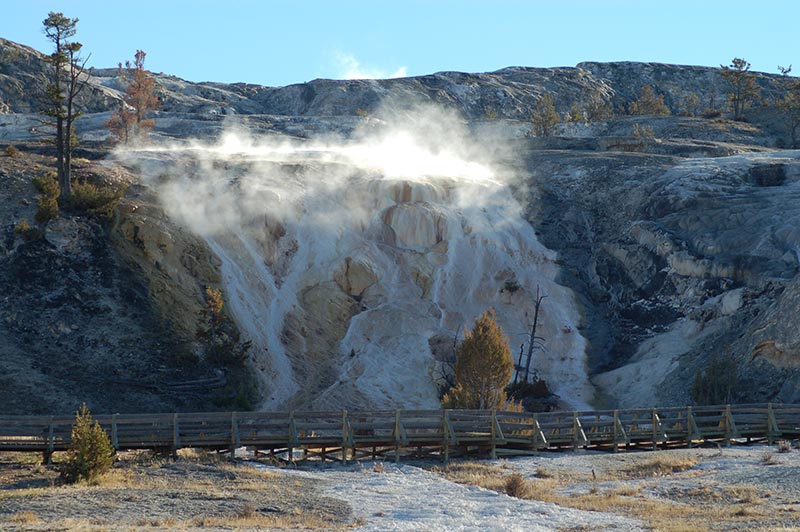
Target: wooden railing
[(393, 434)]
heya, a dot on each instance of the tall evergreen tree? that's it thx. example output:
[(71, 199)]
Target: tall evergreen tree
[(483, 367), (68, 78)]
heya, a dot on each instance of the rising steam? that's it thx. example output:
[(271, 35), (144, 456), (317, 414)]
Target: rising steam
[(344, 259)]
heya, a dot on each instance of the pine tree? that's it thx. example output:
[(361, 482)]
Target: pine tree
[(790, 105), (744, 90), (90, 452), (544, 116), (483, 367), (69, 78)]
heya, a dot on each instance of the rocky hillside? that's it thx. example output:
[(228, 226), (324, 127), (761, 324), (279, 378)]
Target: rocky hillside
[(679, 245)]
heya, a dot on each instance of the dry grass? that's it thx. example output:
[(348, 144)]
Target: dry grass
[(730, 505), (477, 474), (24, 518), (661, 466), (248, 517)]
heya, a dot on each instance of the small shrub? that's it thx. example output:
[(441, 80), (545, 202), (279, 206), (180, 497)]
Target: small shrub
[(515, 486), (47, 187), (24, 229), (90, 453), (95, 200), (12, 151), (511, 285), (643, 132), (767, 458), (784, 446), (362, 113), (46, 184), (47, 209)]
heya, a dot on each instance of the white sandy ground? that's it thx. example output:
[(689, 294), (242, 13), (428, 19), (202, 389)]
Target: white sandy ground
[(408, 498)]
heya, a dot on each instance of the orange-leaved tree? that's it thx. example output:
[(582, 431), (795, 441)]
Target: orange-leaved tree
[(483, 367), (130, 120)]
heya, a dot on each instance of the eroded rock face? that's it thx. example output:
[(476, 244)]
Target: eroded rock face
[(178, 265), (682, 258)]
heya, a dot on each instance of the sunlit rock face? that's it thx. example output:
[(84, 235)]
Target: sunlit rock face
[(343, 267)]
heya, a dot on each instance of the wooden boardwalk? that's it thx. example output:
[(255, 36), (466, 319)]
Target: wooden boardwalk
[(397, 434)]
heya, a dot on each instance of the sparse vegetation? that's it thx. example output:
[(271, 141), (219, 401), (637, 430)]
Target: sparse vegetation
[(24, 229), (218, 335), (95, 200), (643, 132), (12, 151), (544, 116), (90, 454), (648, 103)]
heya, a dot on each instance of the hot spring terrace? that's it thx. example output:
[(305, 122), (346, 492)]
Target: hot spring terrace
[(405, 434)]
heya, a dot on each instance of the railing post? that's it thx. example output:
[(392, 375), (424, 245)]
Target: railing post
[(345, 436), (176, 437), (397, 436), (114, 436), (654, 421), (445, 435), (48, 455), (773, 430), (234, 435), (575, 430), (728, 426), (292, 438), (616, 431), (494, 435)]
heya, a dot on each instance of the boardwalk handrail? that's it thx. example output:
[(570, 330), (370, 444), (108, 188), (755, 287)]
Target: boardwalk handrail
[(394, 433)]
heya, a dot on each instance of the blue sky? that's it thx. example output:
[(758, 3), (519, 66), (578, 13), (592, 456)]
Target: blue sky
[(279, 42)]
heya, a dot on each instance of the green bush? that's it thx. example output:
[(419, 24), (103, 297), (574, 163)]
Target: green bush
[(47, 187), (12, 151), (95, 200), (90, 452)]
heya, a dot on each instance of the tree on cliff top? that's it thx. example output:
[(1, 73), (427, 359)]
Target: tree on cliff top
[(68, 78), (649, 103), (131, 120), (483, 367), (544, 116), (744, 90)]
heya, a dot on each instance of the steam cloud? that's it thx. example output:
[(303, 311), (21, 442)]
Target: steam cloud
[(414, 201)]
